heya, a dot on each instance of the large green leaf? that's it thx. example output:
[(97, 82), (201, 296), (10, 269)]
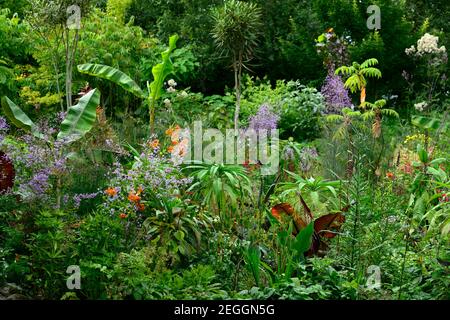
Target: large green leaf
[(18, 117), (428, 123), (113, 75), (304, 238), (162, 70), (80, 118)]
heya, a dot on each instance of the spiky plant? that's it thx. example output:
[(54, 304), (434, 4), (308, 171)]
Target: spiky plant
[(236, 30)]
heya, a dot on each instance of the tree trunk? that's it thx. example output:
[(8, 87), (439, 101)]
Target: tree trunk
[(238, 97), (70, 60)]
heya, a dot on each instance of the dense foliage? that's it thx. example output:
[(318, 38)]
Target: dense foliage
[(94, 136)]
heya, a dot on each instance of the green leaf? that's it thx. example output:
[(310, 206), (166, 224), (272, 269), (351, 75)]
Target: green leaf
[(80, 118), (19, 118), (422, 153), (427, 123), (113, 75), (304, 238), (162, 70), (179, 235)]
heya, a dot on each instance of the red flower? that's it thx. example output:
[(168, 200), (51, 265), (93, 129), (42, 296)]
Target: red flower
[(390, 176), (123, 216), (140, 207), (134, 197)]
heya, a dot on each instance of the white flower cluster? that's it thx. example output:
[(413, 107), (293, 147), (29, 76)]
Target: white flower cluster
[(421, 106), (172, 84), (428, 44)]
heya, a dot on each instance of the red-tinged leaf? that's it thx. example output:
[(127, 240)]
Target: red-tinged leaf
[(7, 173), (332, 221), (286, 209), (282, 208)]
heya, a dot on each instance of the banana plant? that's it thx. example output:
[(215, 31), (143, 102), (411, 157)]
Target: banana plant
[(154, 90), (78, 122), (430, 123)]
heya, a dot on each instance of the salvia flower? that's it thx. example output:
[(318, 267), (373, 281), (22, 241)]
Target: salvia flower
[(335, 94), (78, 198), (264, 119), (4, 127)]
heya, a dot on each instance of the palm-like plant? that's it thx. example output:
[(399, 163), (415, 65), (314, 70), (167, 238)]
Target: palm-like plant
[(357, 74), (376, 111), (220, 186), (346, 120), (313, 190), (237, 26)]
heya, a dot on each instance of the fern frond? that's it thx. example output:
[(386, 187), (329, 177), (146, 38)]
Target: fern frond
[(340, 133), (334, 118), (368, 115), (371, 72), (353, 83), (380, 103), (390, 113), (369, 63)]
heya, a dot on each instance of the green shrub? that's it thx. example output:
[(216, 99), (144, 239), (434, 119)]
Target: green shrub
[(299, 107)]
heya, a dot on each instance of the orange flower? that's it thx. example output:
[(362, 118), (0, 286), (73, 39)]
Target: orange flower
[(174, 143), (140, 190), (123, 216), (154, 144), (170, 149), (169, 132), (134, 197), (390, 176), (111, 192), (140, 207)]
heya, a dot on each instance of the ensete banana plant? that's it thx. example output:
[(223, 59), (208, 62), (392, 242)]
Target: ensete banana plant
[(154, 90), (78, 122)]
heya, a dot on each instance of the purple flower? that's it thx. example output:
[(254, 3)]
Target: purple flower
[(289, 154), (4, 127), (61, 116), (264, 119), (84, 196), (335, 94), (37, 186), (307, 155), (3, 124)]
